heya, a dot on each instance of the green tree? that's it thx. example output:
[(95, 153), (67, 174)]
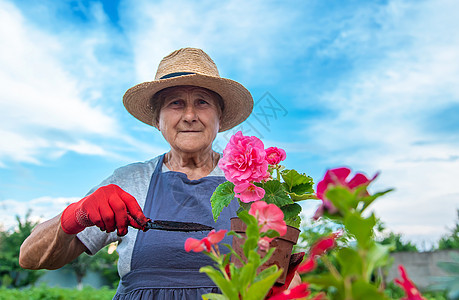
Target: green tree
[(102, 262), (11, 274), (451, 240), (394, 239)]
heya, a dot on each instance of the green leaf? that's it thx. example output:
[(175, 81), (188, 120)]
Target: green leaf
[(291, 210), (267, 256), (247, 218), (350, 261), (304, 188), (244, 206), (213, 296), (275, 193), (294, 222), (296, 197), (266, 272), (341, 198), (254, 258), (222, 197), (270, 233), (217, 277), (362, 290), (296, 182), (234, 233), (367, 200), (361, 228), (246, 275), (233, 252), (259, 289), (449, 267), (323, 280), (252, 231), (377, 256), (249, 245)]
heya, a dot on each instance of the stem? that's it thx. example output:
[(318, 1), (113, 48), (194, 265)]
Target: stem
[(277, 173), (217, 250), (347, 288), (363, 258), (220, 261), (331, 267), (223, 271)]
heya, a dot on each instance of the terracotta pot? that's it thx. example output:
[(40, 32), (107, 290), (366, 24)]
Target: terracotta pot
[(283, 245)]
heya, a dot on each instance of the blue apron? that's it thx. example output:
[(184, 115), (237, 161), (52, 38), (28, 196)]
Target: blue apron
[(160, 267)]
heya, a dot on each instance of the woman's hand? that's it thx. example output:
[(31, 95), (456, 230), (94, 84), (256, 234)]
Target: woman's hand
[(109, 208)]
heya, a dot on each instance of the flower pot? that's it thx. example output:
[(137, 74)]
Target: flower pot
[(280, 257)]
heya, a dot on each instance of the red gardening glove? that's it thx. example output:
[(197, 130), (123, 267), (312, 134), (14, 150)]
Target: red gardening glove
[(295, 261), (109, 208)]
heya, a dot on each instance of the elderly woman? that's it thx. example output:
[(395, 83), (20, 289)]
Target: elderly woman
[(189, 103)]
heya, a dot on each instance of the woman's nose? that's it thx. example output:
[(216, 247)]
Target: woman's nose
[(190, 113)]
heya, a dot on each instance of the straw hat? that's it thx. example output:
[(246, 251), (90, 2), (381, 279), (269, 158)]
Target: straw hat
[(190, 66)]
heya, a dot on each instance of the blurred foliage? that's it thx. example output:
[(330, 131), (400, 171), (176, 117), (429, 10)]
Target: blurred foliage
[(44, 292), (11, 274), (448, 283), (451, 240), (102, 262), (394, 239), (394, 291)]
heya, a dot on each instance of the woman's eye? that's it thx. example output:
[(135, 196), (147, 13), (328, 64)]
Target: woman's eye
[(203, 102), (175, 103)]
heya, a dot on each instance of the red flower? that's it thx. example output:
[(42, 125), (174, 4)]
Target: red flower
[(318, 249), (298, 292), (307, 266), (275, 155), (337, 177), (324, 244), (269, 216), (408, 286), (206, 243)]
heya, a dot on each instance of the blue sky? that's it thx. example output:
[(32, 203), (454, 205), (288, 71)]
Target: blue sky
[(372, 85)]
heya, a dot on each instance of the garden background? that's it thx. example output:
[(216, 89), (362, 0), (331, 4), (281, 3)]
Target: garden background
[(366, 84)]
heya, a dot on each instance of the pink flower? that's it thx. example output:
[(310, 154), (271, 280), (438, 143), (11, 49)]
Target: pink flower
[(244, 159), (195, 245), (269, 216), (408, 286), (299, 292), (216, 237), (275, 155), (248, 192), (263, 243), (337, 177), (206, 243)]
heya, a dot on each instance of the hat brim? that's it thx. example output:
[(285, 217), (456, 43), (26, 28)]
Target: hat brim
[(237, 99)]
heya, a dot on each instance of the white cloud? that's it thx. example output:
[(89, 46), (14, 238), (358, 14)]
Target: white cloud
[(379, 116), (41, 102), (41, 209), (241, 44)]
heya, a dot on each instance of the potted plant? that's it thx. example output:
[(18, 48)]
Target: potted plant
[(255, 174), (353, 274)]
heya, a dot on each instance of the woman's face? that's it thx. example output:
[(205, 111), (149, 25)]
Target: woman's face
[(189, 118)]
